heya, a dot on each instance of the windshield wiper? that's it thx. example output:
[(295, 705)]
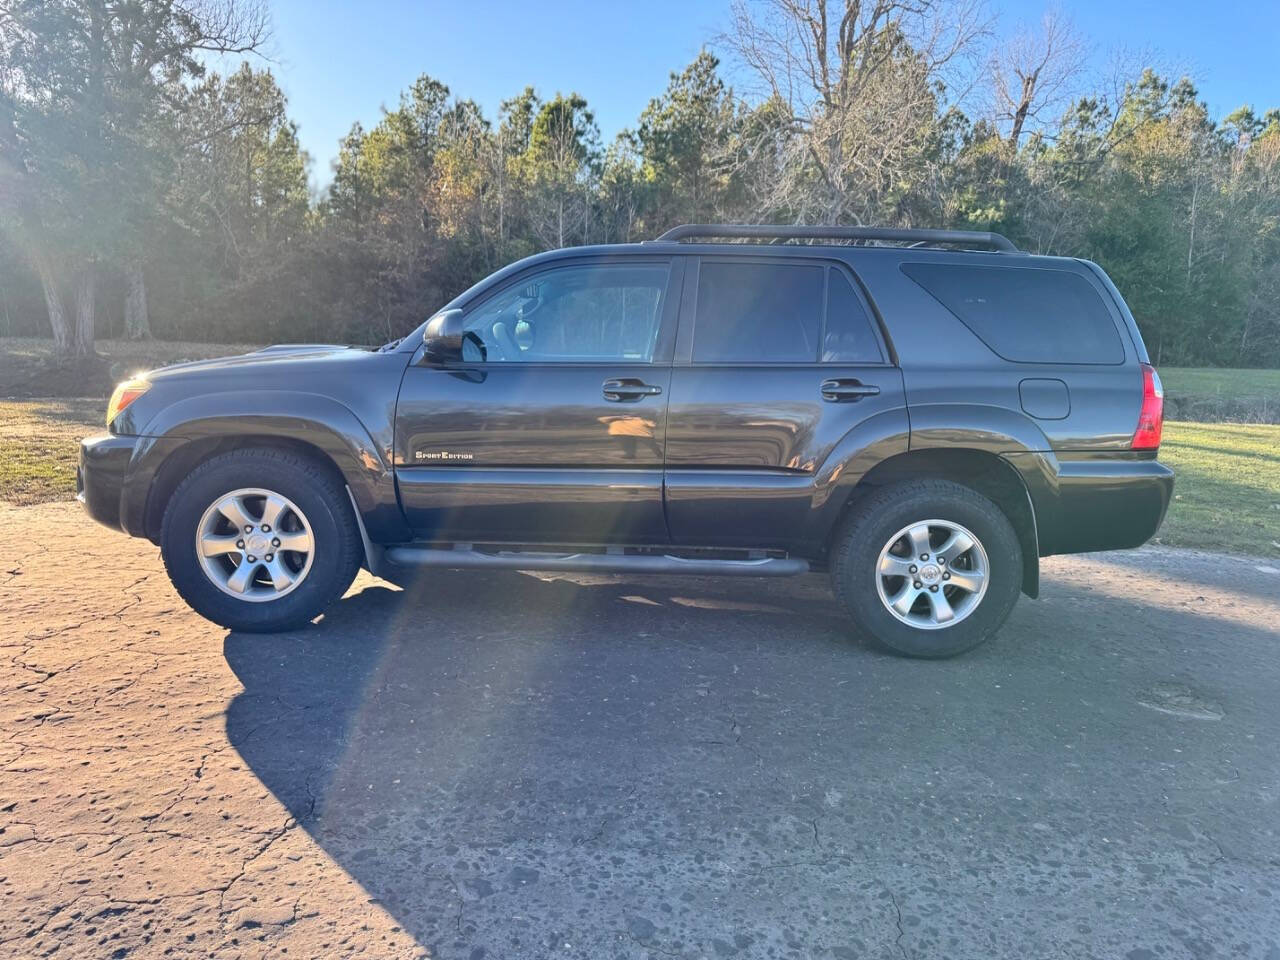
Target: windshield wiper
[(388, 347)]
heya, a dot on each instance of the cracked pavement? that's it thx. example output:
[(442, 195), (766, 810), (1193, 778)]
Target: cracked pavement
[(509, 765)]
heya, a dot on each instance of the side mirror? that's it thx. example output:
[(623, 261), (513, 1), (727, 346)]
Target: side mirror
[(443, 338)]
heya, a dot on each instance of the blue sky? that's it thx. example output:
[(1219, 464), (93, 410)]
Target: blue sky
[(341, 62)]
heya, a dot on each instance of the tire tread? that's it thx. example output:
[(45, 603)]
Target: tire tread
[(302, 467), (854, 528)]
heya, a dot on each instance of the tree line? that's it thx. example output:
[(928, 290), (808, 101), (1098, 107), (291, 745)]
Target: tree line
[(142, 193)]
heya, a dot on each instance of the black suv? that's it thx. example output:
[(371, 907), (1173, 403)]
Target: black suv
[(922, 413)]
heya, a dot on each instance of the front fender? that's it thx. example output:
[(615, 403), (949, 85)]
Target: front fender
[(312, 419)]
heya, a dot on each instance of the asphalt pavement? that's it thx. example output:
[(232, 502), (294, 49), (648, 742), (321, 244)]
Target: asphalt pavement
[(508, 765)]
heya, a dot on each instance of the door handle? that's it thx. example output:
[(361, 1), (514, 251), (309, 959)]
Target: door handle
[(629, 390), (847, 391)]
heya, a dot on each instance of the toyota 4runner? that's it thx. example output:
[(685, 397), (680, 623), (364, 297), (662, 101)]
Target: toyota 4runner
[(921, 413)]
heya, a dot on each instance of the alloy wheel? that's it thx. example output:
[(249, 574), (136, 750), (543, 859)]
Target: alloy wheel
[(255, 544), (932, 574)]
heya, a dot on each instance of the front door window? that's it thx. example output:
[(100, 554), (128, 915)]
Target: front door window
[(581, 314)]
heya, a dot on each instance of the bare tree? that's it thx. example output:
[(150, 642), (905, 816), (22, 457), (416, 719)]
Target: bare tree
[(857, 84), (1035, 71)]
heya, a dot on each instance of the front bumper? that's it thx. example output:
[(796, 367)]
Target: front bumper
[(100, 476)]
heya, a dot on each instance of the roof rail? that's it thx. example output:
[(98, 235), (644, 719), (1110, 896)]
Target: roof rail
[(736, 231)]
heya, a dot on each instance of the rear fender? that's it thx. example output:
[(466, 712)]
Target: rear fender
[(1015, 440), (993, 429), (1012, 436)]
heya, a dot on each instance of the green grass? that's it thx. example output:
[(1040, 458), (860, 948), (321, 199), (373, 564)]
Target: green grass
[(1217, 381), (1208, 394), (39, 445), (1227, 492)]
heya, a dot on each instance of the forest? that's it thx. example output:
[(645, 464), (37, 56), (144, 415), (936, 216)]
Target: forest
[(146, 193)]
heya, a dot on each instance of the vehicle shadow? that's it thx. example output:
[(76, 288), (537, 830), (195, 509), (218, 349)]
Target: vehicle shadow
[(514, 765), (445, 745)]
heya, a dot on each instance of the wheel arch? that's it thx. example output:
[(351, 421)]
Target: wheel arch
[(980, 470), (189, 455), (191, 431)]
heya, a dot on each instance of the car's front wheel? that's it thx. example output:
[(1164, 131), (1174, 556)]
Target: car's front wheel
[(260, 540), (927, 568)]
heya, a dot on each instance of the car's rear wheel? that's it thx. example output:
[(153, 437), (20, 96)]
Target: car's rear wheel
[(927, 568), (260, 540)]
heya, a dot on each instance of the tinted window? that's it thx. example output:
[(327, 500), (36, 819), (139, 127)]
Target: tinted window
[(1028, 315), (847, 337), (751, 312), (588, 313)]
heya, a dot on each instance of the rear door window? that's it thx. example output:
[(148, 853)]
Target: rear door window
[(753, 312), (749, 311), (1027, 315), (847, 337)]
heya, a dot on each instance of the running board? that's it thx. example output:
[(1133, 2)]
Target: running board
[(459, 559)]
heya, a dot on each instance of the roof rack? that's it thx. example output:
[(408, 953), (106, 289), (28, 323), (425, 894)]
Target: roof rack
[(757, 231)]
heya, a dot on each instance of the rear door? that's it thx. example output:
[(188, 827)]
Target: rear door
[(554, 432), (777, 360)]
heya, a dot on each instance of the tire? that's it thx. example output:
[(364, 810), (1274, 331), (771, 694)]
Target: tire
[(316, 507), (877, 536)]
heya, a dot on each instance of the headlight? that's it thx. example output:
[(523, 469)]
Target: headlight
[(123, 395)]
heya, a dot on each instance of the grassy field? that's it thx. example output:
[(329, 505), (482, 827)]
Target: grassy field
[(39, 444), (1213, 394), (1218, 381), (1227, 495), (47, 407)]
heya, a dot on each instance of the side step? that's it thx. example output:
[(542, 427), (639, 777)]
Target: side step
[(465, 558)]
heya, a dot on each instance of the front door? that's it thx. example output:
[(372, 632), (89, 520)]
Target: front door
[(555, 433), (778, 361)]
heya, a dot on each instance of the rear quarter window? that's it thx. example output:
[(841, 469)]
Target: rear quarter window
[(1027, 315)]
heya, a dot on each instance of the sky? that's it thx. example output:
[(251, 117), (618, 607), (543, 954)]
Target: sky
[(342, 62)]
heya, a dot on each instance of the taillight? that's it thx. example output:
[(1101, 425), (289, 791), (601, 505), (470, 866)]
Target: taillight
[(124, 394), (1151, 418)]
